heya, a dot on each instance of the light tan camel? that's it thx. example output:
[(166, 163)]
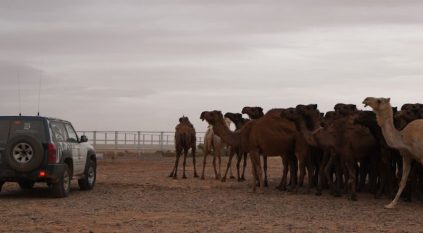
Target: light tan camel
[(409, 141), (215, 143)]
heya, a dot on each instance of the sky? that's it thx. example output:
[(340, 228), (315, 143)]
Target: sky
[(140, 65)]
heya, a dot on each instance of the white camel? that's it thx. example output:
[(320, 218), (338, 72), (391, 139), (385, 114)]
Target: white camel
[(215, 143)]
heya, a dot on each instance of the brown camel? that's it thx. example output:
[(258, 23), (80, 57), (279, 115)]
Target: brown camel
[(253, 112), (184, 140), (256, 113), (239, 122), (351, 142), (408, 141), (267, 135)]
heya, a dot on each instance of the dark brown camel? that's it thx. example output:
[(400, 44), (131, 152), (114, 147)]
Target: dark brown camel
[(268, 135), (185, 139), (253, 112), (351, 142), (239, 122)]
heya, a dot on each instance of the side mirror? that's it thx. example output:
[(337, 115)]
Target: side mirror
[(84, 138)]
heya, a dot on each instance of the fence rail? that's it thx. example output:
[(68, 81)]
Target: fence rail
[(142, 141)]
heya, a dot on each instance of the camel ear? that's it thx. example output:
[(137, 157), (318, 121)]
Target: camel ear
[(388, 100), (314, 106), (261, 109)]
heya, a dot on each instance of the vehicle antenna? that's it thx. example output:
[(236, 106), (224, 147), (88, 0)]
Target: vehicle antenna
[(19, 93), (39, 92)]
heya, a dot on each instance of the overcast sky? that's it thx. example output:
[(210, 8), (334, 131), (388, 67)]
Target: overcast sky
[(140, 65)]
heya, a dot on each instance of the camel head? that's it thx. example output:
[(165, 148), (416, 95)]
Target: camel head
[(403, 117), (234, 117), (329, 118), (377, 104), (212, 116), (253, 112), (311, 115), (345, 109), (291, 114), (183, 119)]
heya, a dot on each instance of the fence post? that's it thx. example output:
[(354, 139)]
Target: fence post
[(95, 138), (125, 138), (116, 141), (161, 141), (138, 145)]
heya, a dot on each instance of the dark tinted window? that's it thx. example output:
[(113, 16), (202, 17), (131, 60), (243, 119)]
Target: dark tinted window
[(29, 127), (59, 132), (4, 132)]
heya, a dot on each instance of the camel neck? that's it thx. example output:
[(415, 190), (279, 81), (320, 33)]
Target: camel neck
[(308, 136), (392, 135), (222, 130)]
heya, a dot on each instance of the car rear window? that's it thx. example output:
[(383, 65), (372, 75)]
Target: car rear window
[(32, 127), (4, 132)]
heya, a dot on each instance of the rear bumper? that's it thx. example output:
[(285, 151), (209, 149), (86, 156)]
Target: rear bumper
[(49, 173)]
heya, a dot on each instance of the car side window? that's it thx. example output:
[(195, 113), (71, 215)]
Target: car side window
[(73, 137), (59, 132)]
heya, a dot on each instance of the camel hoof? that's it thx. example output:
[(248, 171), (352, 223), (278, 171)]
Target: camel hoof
[(184, 177), (251, 190), (353, 198), (390, 206), (260, 191), (224, 179), (202, 177), (232, 177), (318, 193), (175, 177), (195, 176)]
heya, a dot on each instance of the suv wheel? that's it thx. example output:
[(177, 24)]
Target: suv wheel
[(90, 174), (62, 188), (24, 153), (27, 184)]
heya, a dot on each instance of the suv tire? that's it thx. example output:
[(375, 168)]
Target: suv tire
[(26, 185), (24, 153), (90, 175), (62, 188)]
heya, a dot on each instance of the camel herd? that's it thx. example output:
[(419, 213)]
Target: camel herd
[(345, 150)]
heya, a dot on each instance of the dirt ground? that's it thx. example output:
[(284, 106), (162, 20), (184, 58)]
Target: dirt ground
[(135, 195)]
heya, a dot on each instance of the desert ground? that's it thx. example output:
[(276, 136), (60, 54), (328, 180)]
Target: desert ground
[(134, 194)]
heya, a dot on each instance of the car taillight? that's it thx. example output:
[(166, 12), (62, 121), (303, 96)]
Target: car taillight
[(52, 156)]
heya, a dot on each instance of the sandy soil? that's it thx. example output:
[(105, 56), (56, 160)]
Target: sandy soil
[(135, 195)]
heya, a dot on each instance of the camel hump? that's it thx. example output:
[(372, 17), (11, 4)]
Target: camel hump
[(414, 131)]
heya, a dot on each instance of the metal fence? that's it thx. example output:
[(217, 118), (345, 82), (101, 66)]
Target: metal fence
[(141, 141)]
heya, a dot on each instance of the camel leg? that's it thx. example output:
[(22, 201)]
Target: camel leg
[(282, 184), (175, 173), (351, 166), (244, 166), (254, 173), (321, 175), (219, 164), (301, 164), (310, 171), (265, 170), (193, 161), (214, 165), (185, 162), (238, 163), (204, 163), (231, 155), (293, 172), (406, 166)]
